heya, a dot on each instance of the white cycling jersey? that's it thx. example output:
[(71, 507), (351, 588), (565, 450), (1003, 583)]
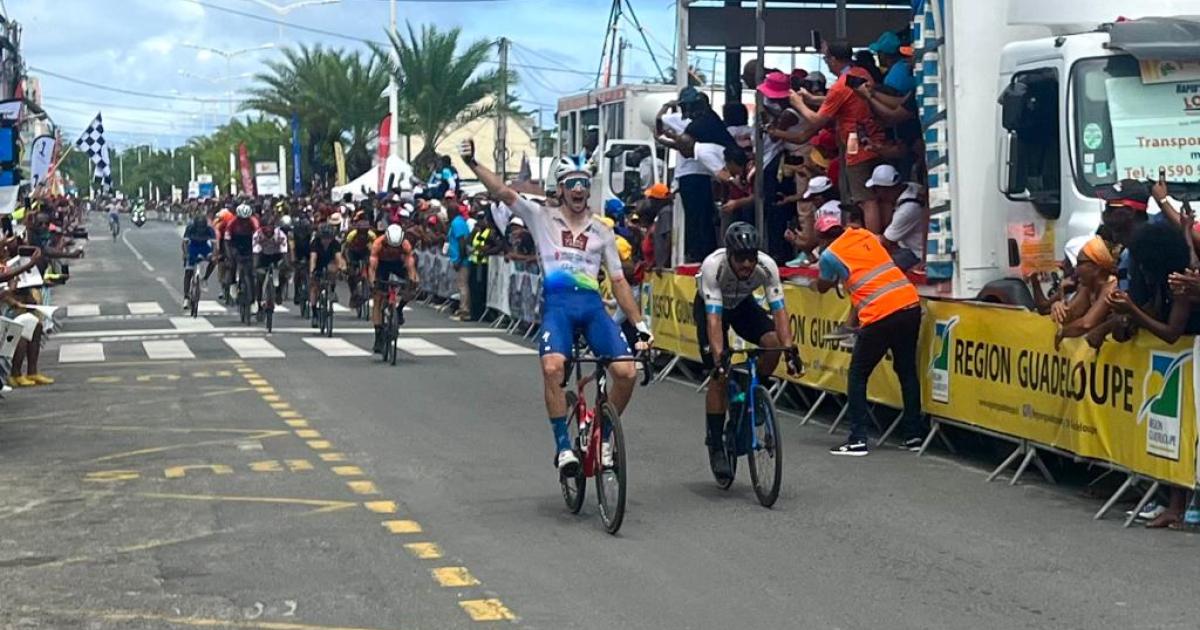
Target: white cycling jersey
[(721, 288), (569, 261)]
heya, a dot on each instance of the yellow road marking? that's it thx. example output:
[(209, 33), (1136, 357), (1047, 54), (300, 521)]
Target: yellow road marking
[(265, 390), (121, 616), (112, 475), (333, 457), (487, 610), (280, 405), (424, 550), (298, 465), (270, 397), (288, 414), (176, 472), (254, 435), (266, 466), (381, 507), (297, 424), (363, 487), (307, 433), (257, 382), (454, 577), (403, 527), (347, 471), (323, 506), (319, 445)]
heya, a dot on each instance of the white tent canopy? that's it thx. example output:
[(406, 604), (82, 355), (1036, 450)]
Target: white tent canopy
[(398, 170)]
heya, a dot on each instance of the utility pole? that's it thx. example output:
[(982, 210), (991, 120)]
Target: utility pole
[(394, 98), (121, 166), (621, 45), (502, 115)]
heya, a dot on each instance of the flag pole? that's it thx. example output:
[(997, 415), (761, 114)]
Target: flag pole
[(53, 168)]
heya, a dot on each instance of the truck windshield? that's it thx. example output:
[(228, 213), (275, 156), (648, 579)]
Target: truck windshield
[(1128, 128)]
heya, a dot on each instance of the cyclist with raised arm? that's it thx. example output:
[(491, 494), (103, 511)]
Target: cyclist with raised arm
[(572, 245), (391, 255), (724, 299)]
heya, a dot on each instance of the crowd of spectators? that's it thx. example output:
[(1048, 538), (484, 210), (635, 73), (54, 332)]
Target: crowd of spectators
[(829, 143)]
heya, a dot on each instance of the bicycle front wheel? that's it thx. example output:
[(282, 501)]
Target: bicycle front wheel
[(574, 488), (610, 476), (393, 340), (766, 457)]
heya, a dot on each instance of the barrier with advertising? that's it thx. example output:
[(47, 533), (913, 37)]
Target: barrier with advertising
[(1130, 404), (500, 271)]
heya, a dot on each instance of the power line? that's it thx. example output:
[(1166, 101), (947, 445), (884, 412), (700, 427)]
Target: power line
[(98, 86), (277, 22), (63, 99)]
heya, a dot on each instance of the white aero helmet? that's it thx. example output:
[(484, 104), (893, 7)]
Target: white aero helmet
[(244, 211), (395, 235), (570, 165)]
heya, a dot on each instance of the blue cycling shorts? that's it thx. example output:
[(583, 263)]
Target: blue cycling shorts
[(198, 251), (566, 312)]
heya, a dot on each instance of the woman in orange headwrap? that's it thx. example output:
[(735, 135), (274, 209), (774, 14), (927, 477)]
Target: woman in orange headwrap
[(1096, 272)]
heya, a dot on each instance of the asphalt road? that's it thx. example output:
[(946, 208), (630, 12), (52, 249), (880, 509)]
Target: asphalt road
[(310, 491)]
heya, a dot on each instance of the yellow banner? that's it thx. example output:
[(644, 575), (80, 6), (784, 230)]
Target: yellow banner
[(340, 157), (1130, 403)]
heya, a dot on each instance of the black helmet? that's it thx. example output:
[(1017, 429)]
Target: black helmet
[(741, 238)]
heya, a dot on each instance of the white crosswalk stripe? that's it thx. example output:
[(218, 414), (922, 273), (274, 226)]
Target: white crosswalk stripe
[(81, 353), (210, 306), (253, 348), (338, 308), (496, 345), (191, 323), (83, 310), (168, 349), (145, 308), (336, 347), (420, 348)]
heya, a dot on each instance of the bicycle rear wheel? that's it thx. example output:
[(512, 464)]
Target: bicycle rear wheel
[(610, 480), (766, 459), (194, 294), (574, 488), (328, 317), (269, 293)]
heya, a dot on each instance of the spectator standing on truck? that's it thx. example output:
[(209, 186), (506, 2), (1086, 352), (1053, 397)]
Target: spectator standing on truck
[(858, 133), (889, 311), (784, 131), (905, 234)]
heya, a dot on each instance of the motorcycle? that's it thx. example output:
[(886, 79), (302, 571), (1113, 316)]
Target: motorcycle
[(139, 217)]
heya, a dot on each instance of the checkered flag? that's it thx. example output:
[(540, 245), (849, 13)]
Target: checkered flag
[(93, 144)]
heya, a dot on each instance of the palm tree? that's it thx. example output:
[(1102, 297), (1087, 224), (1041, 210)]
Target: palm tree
[(336, 96), (440, 88)]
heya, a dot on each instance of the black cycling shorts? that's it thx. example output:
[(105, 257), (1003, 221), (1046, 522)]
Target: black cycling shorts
[(749, 320), (265, 260), (388, 268)]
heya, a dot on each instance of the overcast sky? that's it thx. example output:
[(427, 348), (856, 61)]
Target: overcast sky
[(137, 45)]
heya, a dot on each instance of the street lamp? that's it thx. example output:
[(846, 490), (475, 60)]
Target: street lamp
[(284, 9), (229, 54)]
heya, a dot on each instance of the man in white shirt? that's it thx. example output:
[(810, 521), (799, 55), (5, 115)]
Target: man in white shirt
[(905, 233)]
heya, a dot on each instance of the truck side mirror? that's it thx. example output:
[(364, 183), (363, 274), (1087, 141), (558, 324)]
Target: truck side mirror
[(1012, 174), (1014, 105)]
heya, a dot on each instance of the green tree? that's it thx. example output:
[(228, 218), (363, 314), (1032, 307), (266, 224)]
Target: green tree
[(336, 96), (441, 88)]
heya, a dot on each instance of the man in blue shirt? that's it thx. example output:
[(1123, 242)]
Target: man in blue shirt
[(899, 69), (456, 249)]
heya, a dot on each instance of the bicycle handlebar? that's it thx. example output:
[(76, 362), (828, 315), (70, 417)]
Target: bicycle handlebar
[(604, 362), (792, 354)]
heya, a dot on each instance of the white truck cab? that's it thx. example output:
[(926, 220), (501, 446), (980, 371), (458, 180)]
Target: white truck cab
[(1030, 107)]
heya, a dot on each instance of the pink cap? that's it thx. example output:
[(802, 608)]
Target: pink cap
[(827, 221), (775, 85)]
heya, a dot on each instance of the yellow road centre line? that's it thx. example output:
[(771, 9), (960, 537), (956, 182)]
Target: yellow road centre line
[(403, 527), (333, 457), (362, 487), (319, 445), (347, 471), (424, 550), (381, 507), (307, 433), (487, 610), (297, 424), (450, 577)]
